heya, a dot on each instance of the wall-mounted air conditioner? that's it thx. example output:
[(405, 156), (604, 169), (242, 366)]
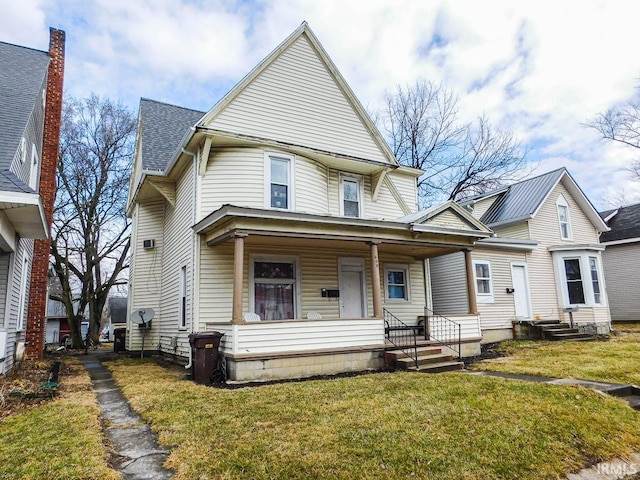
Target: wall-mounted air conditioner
[(149, 244)]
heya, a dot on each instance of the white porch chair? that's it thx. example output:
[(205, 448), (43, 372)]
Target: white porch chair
[(314, 316), (251, 317)]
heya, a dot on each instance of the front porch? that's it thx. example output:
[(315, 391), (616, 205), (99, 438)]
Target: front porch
[(278, 273)]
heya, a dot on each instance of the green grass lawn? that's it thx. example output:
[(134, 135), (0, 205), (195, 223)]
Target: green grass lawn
[(57, 440), (616, 360), (382, 426)]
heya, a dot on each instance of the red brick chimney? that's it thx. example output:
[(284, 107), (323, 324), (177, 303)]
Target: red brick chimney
[(37, 309)]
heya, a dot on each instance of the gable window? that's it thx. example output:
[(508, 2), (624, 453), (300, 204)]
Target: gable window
[(595, 280), (563, 218), (275, 287), (279, 179), (183, 298), (351, 196), (573, 276), (484, 289), (23, 150), (396, 278)]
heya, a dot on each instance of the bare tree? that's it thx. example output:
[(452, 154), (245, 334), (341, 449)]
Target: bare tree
[(621, 125), (90, 235), (459, 159)]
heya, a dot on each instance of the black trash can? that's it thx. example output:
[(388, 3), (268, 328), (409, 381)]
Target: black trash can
[(119, 335), (205, 355)]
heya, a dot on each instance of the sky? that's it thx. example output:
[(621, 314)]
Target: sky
[(539, 68)]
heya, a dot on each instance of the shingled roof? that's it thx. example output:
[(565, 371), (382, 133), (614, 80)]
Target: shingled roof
[(22, 78), (624, 225), (163, 126)]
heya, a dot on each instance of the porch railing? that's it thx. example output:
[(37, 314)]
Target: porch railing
[(443, 331), (402, 335)]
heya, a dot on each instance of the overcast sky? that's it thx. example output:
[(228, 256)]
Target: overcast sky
[(541, 68)]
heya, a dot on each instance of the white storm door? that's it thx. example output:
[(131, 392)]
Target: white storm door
[(520, 282), (352, 284)]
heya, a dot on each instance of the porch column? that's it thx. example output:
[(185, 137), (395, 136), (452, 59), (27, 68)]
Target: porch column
[(471, 284), (375, 281), (238, 270)]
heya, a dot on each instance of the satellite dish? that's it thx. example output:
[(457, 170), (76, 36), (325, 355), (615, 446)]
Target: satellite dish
[(144, 315)]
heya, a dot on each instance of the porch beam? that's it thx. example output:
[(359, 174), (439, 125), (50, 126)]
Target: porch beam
[(238, 270), (375, 280), (471, 284)]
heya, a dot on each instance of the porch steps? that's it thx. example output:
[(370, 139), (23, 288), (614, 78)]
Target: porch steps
[(557, 330), (430, 360)]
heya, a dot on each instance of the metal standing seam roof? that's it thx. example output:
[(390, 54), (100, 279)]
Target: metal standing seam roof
[(624, 224), (22, 74), (520, 200), (163, 127)]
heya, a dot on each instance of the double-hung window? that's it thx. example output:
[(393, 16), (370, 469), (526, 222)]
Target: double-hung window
[(396, 278), (279, 175), (595, 280), (482, 273), (573, 274), (274, 289), (351, 196)]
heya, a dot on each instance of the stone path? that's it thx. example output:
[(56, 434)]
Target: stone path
[(140, 455)]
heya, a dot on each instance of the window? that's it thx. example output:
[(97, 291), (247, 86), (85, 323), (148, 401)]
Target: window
[(563, 218), (573, 275), (595, 281), (484, 290), (396, 279), (183, 298), (23, 150), (350, 196), (24, 274), (279, 175), (33, 174), (275, 289)]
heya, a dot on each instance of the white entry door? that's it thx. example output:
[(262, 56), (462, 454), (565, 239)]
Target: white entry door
[(521, 298), (352, 284)]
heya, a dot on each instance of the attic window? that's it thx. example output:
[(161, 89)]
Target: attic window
[(351, 196), (563, 218), (23, 150)]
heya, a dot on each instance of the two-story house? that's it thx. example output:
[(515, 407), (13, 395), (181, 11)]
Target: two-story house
[(26, 125), (281, 219), (544, 259)]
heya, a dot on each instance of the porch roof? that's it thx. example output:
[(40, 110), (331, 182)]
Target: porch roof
[(294, 228)]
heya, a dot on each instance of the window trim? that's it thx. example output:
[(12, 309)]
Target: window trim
[(23, 150), (182, 298), (33, 172), (397, 267), (297, 300), (360, 181), (483, 297), (562, 202), (268, 155), (583, 257)]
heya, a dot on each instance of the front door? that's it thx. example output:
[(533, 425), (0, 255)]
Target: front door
[(521, 300), (352, 284)]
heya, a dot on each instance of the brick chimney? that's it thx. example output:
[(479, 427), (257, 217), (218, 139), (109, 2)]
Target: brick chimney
[(37, 308)]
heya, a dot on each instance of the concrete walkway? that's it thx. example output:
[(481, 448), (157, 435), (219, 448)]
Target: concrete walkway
[(140, 456)]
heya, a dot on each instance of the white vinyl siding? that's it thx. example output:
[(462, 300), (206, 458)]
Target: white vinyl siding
[(24, 283), (518, 230), (623, 281), (449, 284), (312, 187), (296, 100)]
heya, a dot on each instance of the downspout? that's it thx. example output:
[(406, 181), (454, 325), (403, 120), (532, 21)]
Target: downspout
[(193, 248)]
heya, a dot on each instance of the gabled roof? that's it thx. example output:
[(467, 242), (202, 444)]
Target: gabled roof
[(163, 126), (624, 223), (521, 201), (22, 78), (447, 215)]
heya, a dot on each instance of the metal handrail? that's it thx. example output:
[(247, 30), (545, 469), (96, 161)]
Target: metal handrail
[(443, 331), (401, 335)]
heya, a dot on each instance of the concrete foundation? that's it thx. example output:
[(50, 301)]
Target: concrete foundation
[(493, 336)]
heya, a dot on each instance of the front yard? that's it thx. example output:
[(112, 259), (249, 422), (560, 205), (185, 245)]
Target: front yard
[(386, 425), (616, 360)]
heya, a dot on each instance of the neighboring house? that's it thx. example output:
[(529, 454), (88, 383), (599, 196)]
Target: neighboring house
[(545, 257), (622, 262), (24, 121), (281, 219)]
